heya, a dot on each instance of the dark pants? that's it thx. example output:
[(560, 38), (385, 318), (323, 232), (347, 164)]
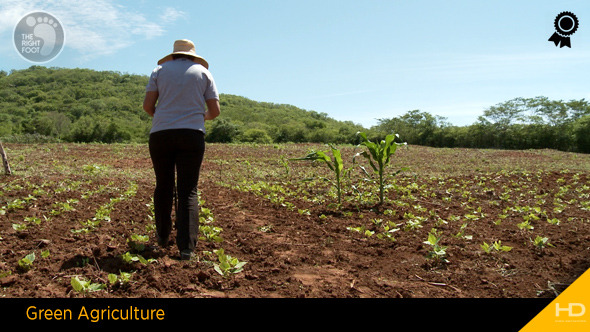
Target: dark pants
[(183, 150)]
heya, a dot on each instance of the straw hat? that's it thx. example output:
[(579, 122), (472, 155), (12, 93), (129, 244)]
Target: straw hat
[(185, 46)]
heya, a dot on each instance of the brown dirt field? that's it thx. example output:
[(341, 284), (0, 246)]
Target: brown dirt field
[(290, 254)]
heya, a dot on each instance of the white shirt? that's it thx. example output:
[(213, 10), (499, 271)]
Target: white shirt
[(183, 88)]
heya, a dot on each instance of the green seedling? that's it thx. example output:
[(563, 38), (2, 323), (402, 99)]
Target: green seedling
[(461, 233), (379, 156), (501, 217), (93, 169), (542, 242), (85, 286), (112, 278), (26, 263), (388, 230), (228, 265), (103, 213), (414, 222), (45, 253), (19, 227), (65, 206), (89, 225), (121, 279), (285, 162), (497, 246), (525, 225), (486, 247), (138, 242), (33, 220), (15, 205), (437, 252), (210, 233), (132, 258), (361, 230), (304, 212), (266, 229), (336, 166)]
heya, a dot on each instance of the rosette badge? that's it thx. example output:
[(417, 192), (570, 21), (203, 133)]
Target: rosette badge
[(566, 24)]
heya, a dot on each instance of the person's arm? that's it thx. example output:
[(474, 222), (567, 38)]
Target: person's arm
[(213, 109), (149, 103)]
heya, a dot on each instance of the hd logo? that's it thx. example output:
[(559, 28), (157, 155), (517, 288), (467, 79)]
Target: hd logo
[(567, 312), (572, 310)]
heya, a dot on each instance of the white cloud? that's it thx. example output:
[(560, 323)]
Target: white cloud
[(11, 11), (99, 27), (171, 15)]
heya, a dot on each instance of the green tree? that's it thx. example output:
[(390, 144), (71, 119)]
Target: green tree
[(255, 135), (581, 133), (222, 131)]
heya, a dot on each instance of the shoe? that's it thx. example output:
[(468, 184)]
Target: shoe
[(186, 254)]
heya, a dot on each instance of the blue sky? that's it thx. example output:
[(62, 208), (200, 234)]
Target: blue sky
[(354, 60)]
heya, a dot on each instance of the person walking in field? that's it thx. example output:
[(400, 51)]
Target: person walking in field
[(180, 96)]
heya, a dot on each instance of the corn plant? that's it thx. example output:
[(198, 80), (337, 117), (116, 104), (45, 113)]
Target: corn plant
[(285, 162), (379, 156), (336, 166)]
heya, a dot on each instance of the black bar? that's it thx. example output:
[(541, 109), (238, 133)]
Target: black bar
[(417, 314)]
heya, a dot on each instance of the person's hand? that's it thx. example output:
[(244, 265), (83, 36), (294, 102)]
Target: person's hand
[(149, 102), (213, 109)]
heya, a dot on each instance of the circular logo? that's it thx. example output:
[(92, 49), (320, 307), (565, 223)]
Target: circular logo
[(566, 24), (39, 37)]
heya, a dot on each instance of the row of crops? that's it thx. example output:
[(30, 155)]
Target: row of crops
[(50, 221), (81, 216)]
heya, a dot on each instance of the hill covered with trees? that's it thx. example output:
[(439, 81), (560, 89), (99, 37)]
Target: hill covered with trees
[(82, 105)]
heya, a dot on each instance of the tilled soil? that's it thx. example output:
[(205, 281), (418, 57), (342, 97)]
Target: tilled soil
[(289, 254)]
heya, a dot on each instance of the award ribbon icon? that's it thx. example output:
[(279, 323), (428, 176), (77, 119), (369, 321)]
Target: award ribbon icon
[(566, 23)]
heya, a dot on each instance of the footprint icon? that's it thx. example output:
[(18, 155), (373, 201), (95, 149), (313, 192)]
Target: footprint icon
[(44, 28)]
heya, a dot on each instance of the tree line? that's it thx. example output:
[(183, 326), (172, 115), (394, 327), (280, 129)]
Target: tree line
[(520, 123), (83, 105)]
